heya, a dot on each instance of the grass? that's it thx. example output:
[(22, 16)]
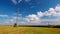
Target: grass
[(28, 30)]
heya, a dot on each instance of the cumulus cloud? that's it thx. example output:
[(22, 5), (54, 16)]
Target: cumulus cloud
[(52, 12), (57, 8), (16, 1), (40, 14), (32, 18)]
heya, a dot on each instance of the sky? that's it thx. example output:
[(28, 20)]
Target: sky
[(31, 12)]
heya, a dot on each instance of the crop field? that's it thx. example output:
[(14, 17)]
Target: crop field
[(28, 30)]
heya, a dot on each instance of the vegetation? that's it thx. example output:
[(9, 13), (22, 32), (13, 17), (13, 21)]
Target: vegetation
[(28, 30), (15, 25)]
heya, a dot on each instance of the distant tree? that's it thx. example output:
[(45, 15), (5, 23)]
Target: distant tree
[(15, 25)]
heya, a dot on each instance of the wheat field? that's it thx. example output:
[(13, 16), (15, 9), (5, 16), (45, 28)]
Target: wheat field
[(28, 30)]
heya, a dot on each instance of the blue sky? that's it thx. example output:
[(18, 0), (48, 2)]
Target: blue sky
[(30, 7), (29, 11)]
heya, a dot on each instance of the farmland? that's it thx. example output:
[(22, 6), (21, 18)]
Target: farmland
[(28, 30)]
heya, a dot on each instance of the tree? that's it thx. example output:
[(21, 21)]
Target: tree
[(15, 25)]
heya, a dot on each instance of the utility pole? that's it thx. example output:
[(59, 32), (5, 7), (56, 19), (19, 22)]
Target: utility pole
[(17, 11), (17, 15)]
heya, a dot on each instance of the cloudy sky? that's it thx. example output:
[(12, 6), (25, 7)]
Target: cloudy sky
[(31, 12)]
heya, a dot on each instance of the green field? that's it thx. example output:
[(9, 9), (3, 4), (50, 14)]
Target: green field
[(28, 30)]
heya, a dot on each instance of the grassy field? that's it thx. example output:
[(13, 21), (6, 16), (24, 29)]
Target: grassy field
[(28, 30)]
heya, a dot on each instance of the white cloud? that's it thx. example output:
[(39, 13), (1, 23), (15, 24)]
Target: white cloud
[(52, 11), (40, 14), (16, 2), (57, 8), (32, 17), (2, 15), (46, 13), (36, 19)]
